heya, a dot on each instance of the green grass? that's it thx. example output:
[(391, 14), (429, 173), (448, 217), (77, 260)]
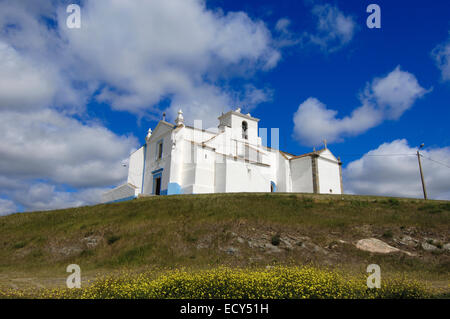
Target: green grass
[(194, 231)]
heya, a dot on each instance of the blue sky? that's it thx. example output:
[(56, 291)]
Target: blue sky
[(90, 94)]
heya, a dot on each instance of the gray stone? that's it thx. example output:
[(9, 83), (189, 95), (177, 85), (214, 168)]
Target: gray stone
[(232, 250), (407, 241), (429, 247), (272, 249)]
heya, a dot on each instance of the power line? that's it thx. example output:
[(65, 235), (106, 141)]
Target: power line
[(428, 158), (377, 155)]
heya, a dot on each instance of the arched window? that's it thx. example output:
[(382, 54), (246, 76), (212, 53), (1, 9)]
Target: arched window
[(244, 130)]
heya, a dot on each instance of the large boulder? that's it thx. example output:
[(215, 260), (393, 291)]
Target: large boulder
[(374, 245)]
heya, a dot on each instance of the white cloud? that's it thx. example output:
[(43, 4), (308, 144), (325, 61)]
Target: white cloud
[(49, 145), (392, 170), (7, 207), (22, 84), (441, 54), (176, 49), (396, 92), (313, 122), (44, 196), (285, 37), (44, 152), (282, 25), (35, 68), (385, 98), (334, 28), (39, 195)]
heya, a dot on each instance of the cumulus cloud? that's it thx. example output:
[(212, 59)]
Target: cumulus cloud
[(177, 49), (7, 207), (392, 170), (384, 98), (32, 195), (44, 196), (396, 92), (161, 50), (441, 54), (314, 122), (49, 160), (48, 145), (22, 84), (35, 66), (334, 29)]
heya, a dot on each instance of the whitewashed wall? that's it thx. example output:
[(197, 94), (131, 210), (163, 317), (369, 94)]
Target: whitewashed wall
[(136, 168), (204, 170), (301, 175), (244, 177), (122, 192), (152, 163), (329, 178), (220, 174), (283, 179)]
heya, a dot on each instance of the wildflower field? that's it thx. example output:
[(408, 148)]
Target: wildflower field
[(275, 283)]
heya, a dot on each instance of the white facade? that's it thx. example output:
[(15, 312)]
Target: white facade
[(180, 159)]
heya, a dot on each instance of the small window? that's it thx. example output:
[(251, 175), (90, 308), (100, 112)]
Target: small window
[(160, 149), (244, 130)]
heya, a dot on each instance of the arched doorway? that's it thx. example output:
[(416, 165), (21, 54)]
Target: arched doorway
[(273, 187)]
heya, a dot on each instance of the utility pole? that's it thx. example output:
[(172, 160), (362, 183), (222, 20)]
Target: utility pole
[(421, 174)]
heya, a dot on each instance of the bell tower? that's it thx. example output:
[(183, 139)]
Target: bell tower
[(243, 127)]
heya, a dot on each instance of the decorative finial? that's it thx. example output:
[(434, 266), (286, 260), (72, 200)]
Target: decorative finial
[(325, 143), (149, 134), (314, 149), (164, 116), (180, 119), (238, 110)]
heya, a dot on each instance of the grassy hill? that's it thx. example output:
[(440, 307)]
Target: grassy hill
[(248, 230)]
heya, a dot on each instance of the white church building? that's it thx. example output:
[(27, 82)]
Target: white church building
[(181, 159)]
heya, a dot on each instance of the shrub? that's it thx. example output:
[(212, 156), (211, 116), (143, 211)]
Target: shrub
[(112, 239), (219, 283), (19, 245), (393, 202), (388, 234), (275, 240)]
